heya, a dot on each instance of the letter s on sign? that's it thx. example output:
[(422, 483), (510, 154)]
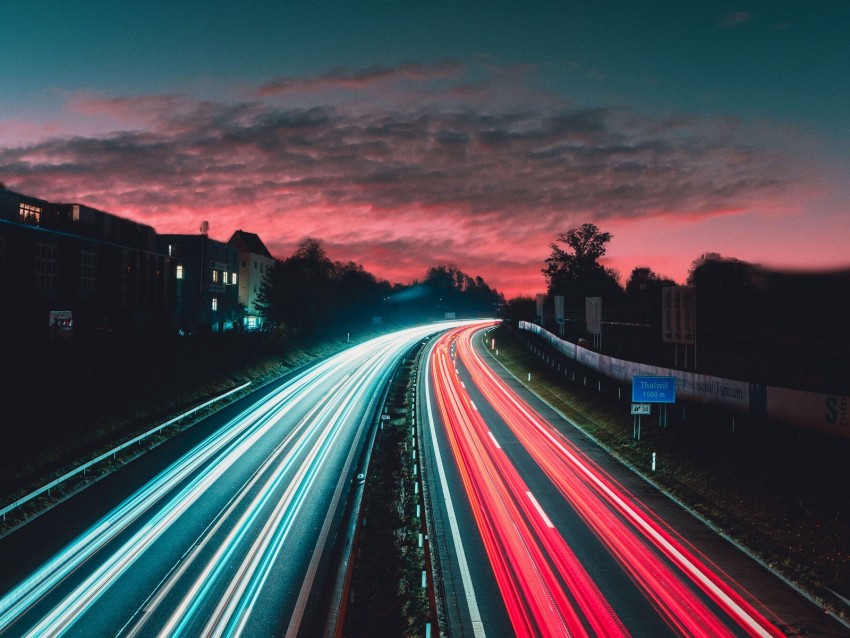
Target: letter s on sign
[(831, 414)]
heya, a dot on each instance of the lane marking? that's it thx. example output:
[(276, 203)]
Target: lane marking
[(466, 578), (539, 509), (670, 548)]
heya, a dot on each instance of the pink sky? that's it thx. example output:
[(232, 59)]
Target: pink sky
[(399, 175)]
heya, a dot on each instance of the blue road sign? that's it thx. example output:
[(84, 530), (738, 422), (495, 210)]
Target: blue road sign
[(653, 389)]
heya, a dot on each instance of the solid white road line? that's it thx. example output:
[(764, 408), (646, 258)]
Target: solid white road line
[(466, 578)]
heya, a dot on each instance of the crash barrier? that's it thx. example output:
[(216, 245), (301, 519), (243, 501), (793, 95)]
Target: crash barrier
[(112, 453), (799, 408)]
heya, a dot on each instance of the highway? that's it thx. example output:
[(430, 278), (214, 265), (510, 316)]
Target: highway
[(227, 530), (534, 537), (231, 527)]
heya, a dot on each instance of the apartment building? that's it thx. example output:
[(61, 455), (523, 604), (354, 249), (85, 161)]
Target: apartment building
[(206, 278), (70, 268), (255, 261)]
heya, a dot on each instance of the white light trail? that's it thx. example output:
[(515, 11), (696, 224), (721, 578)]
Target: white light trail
[(294, 467)]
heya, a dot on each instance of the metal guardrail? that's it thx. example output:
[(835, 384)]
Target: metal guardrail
[(82, 468)]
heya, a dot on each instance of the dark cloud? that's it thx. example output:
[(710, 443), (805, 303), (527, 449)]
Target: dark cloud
[(449, 178), (364, 78), (736, 19), (510, 163)]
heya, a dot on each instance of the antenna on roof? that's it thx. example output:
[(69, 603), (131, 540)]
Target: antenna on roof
[(205, 227)]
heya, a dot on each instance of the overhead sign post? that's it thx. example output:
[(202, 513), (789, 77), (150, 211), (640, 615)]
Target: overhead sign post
[(678, 319), (559, 312), (593, 319), (647, 390)]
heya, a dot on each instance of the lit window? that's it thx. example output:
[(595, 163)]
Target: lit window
[(171, 250), (179, 271), (233, 278), (215, 303), (215, 276), (29, 214)]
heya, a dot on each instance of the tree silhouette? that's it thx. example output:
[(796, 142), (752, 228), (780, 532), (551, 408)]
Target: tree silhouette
[(452, 290), (576, 272), (643, 289), (311, 295), (297, 291)]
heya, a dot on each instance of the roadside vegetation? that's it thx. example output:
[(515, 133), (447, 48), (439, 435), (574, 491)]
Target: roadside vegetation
[(780, 492), (311, 295), (784, 329)]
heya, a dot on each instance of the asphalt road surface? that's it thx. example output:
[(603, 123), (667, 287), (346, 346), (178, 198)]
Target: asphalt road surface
[(538, 531), (225, 530)]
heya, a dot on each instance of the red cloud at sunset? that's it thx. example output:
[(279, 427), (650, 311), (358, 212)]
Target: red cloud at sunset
[(401, 190)]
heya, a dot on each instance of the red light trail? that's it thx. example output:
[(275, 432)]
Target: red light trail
[(545, 588), (690, 596)]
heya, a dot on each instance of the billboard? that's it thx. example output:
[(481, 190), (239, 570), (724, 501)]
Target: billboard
[(593, 314), (678, 314), (559, 308)]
